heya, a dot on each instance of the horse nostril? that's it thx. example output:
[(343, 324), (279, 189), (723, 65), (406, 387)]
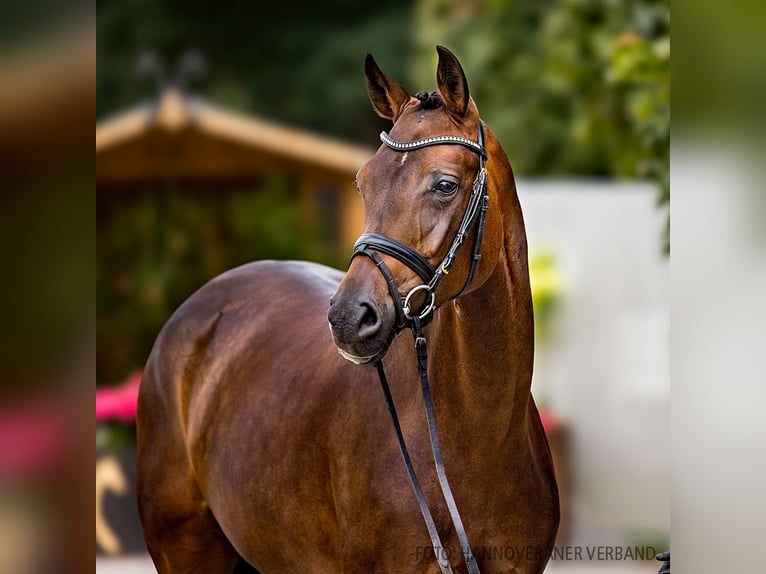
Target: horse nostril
[(369, 322)]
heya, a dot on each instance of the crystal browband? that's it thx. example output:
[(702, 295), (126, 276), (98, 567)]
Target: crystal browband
[(432, 140)]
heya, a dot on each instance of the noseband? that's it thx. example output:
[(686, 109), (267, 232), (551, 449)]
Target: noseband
[(475, 213), (369, 245)]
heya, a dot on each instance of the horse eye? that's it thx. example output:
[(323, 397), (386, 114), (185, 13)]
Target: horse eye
[(446, 187)]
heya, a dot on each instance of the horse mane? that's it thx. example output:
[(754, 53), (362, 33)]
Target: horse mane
[(430, 100)]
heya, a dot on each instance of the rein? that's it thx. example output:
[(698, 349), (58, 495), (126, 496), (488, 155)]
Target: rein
[(370, 243)]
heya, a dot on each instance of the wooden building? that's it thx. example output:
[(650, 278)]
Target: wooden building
[(186, 190), (186, 139)]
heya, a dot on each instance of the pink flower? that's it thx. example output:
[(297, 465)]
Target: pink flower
[(119, 403), (33, 439)]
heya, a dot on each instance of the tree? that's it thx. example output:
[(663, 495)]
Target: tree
[(301, 64), (571, 87)]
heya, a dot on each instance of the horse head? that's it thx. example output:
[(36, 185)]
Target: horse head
[(425, 193)]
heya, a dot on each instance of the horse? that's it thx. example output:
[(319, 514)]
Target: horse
[(263, 439)]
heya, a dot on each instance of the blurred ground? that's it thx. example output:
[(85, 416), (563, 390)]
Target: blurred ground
[(143, 565)]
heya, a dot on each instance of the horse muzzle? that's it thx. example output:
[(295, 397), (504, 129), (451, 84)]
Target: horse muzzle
[(362, 324)]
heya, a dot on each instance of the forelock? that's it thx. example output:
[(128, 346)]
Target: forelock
[(430, 100)]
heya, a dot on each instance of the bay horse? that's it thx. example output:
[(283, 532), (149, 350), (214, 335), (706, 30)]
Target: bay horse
[(263, 437)]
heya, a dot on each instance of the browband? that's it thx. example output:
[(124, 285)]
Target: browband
[(433, 140)]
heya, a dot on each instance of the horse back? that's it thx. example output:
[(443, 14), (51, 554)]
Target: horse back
[(246, 321)]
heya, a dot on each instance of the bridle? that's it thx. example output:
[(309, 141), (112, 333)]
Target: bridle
[(369, 244), (475, 213)]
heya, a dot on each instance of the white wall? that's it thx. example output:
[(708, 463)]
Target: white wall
[(605, 371)]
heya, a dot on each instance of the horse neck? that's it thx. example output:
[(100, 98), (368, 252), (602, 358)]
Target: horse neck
[(483, 343)]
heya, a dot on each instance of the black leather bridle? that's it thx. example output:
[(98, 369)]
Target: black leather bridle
[(475, 213), (370, 244)]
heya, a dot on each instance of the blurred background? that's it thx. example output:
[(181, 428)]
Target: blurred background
[(227, 136), (558, 61)]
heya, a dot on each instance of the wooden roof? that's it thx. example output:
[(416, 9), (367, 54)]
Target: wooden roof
[(186, 137)]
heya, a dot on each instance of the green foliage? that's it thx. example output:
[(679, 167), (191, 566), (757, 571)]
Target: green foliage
[(298, 62), (546, 284), (642, 67), (163, 244), (113, 435), (571, 87)]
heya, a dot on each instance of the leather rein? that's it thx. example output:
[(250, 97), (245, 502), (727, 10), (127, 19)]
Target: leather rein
[(369, 244)]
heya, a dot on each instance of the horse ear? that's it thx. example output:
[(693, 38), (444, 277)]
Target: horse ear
[(387, 95), (451, 81)]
